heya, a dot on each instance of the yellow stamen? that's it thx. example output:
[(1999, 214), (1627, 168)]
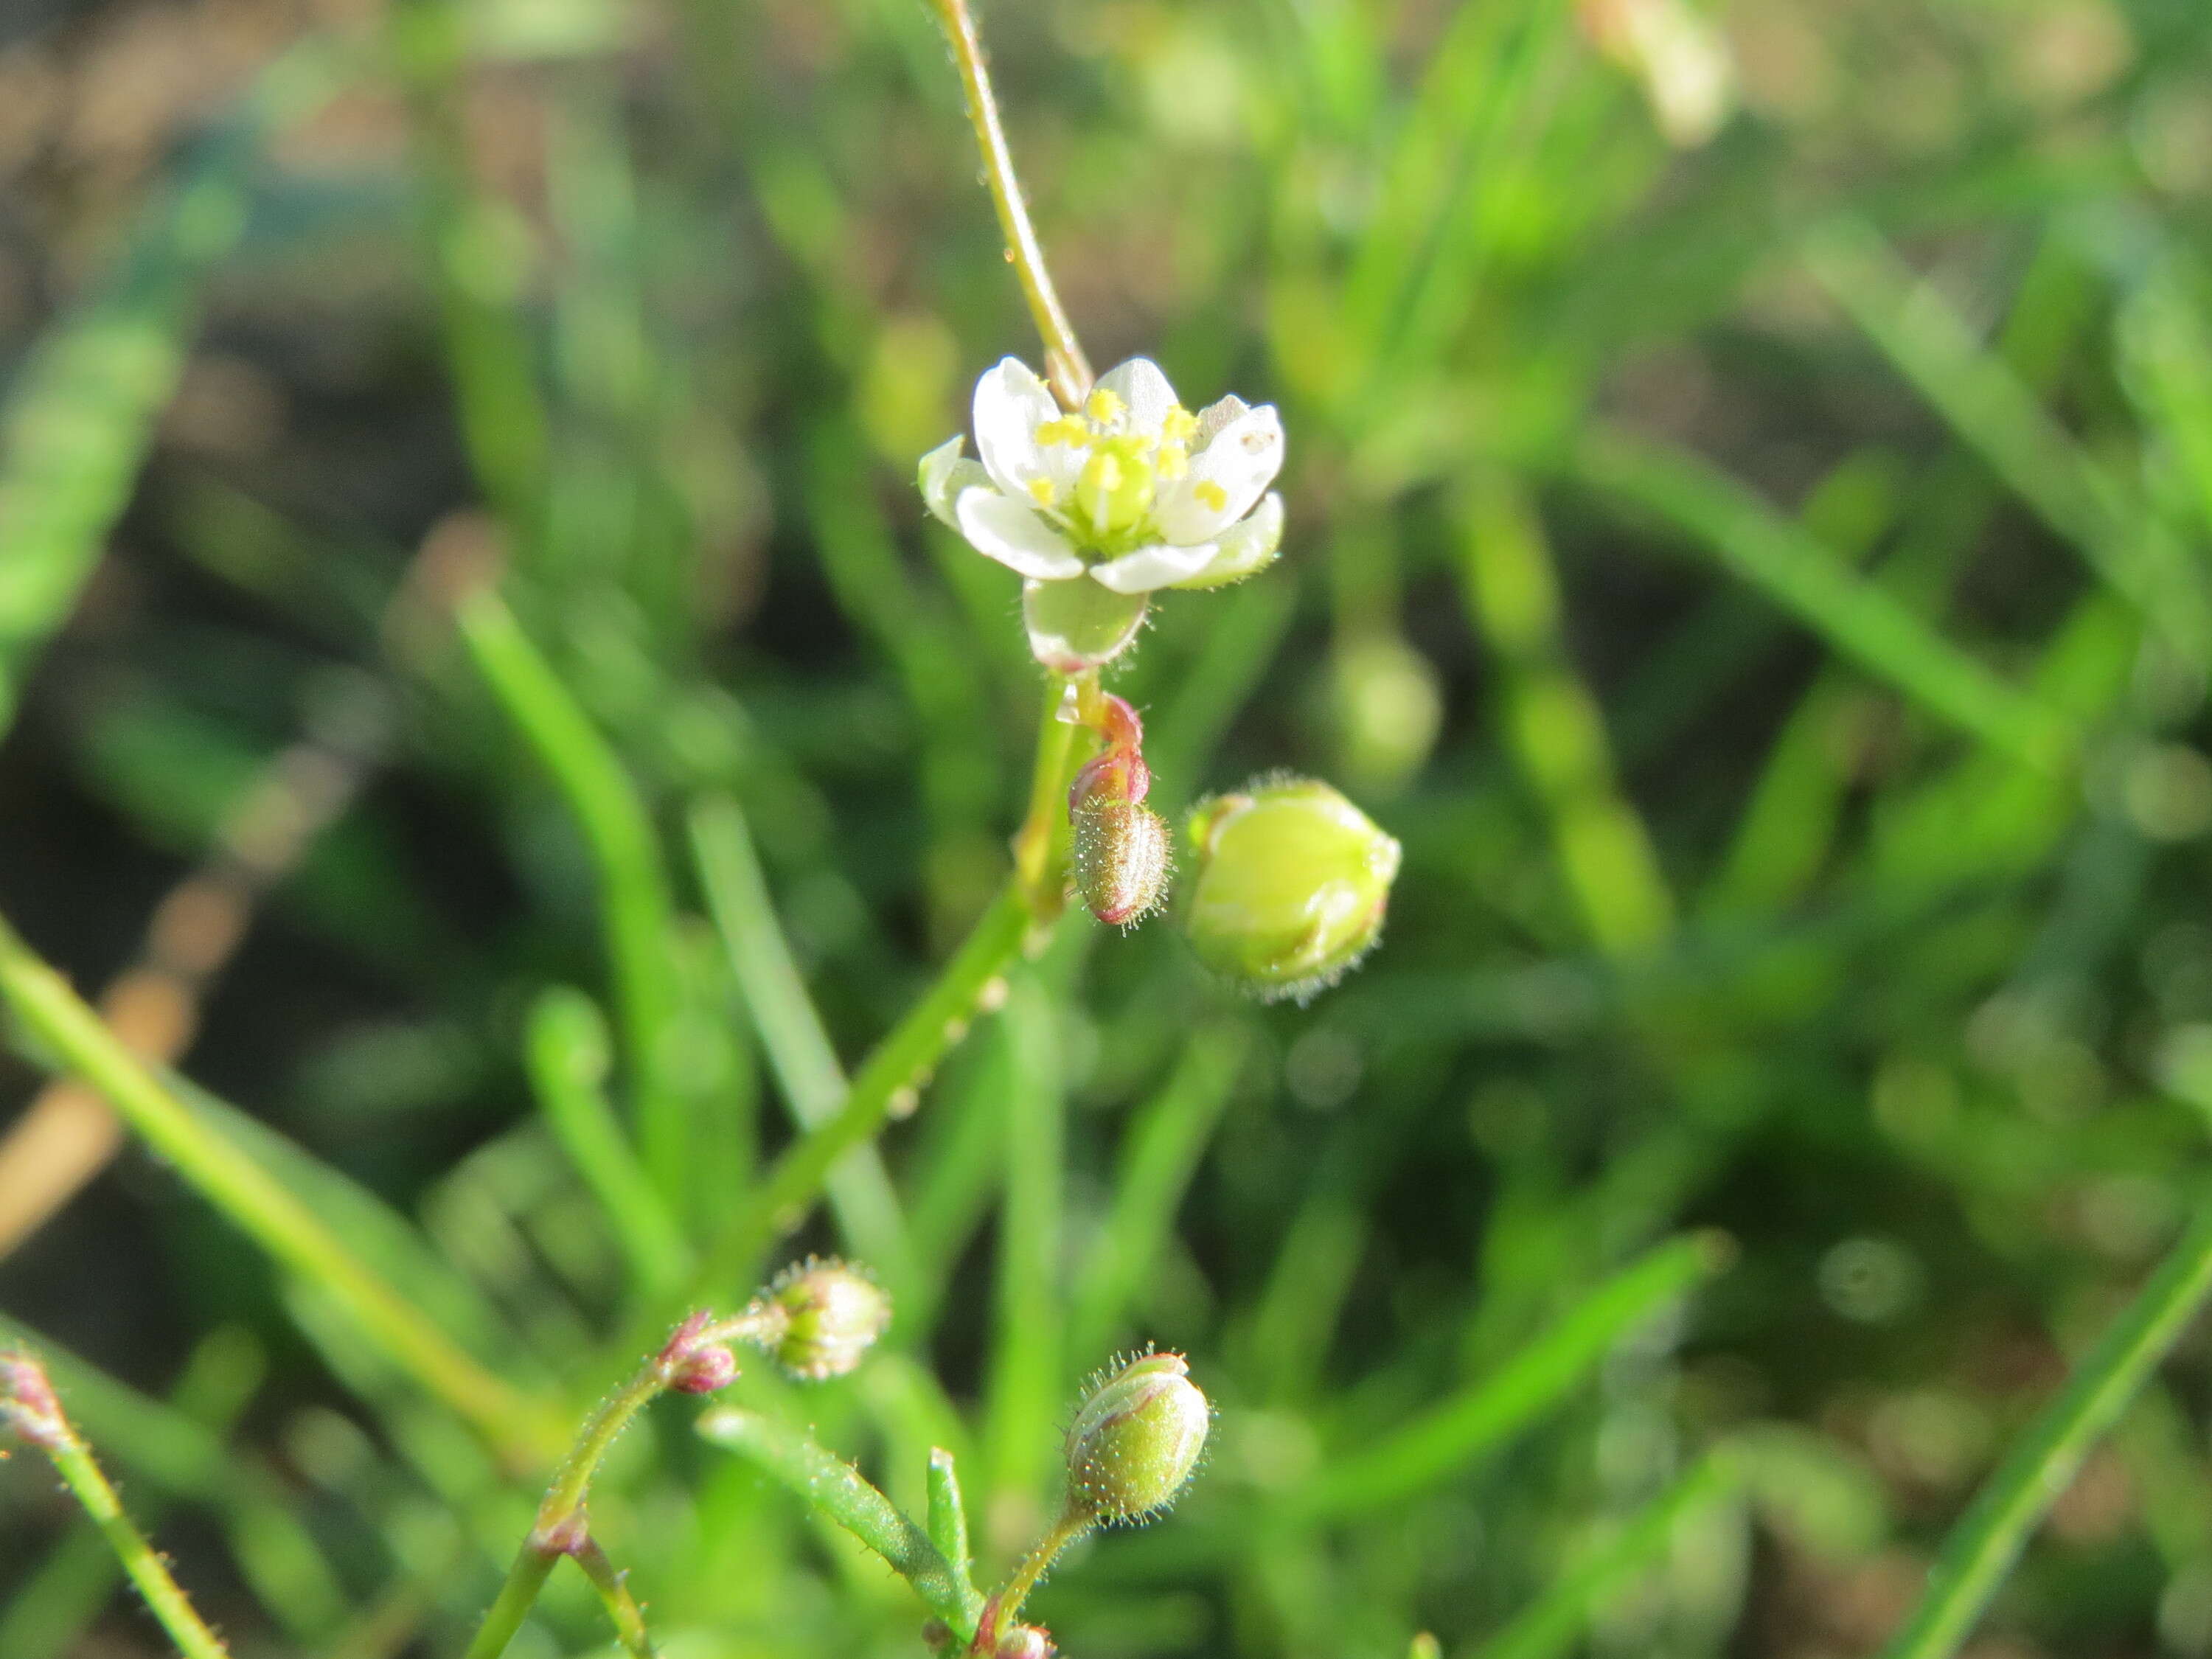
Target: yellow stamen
[(1103, 407), (1212, 494), (1043, 490), (1065, 430), (1179, 425), (1170, 463)]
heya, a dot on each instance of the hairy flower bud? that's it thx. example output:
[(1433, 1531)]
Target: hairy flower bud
[(1121, 859), (1025, 1642), (833, 1314), (1121, 852), (1135, 1441), (1292, 883)]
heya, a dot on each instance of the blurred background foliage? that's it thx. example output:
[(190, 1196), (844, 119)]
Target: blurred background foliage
[(1750, 485)]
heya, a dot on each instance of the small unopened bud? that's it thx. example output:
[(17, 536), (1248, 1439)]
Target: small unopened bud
[(1121, 859), (29, 1405), (1292, 883), (833, 1314), (1025, 1642), (1135, 1441)]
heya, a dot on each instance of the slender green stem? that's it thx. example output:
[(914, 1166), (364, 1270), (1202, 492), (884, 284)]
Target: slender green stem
[(1065, 363), (28, 1404), (564, 1527), (1989, 1536), (267, 1211), (622, 1607), (1040, 845), (1065, 1531), (619, 830), (836, 1489), (516, 1597)]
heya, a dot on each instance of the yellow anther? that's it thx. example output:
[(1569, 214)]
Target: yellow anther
[(1043, 490), (1212, 494), (1179, 425), (1170, 462), (1103, 407), (1065, 430)]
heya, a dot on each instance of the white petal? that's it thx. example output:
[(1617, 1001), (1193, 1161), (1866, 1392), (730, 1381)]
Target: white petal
[(1001, 528), (1244, 547), (1010, 405), (1226, 478), (1149, 567), (1214, 416), (1143, 390), (945, 473)]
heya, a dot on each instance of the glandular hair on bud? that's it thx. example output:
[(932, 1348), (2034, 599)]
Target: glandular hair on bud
[(1292, 883), (833, 1314), (1121, 859), (1135, 1441)]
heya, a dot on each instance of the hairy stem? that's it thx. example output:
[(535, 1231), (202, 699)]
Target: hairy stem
[(1066, 366), (1065, 1531), (28, 1405)]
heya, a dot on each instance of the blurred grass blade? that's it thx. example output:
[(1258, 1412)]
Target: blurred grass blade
[(2035, 1474), (1160, 1153), (1484, 1414), (901, 1062), (1022, 1393), (1555, 727), (1857, 618), (290, 1227), (79, 416), (633, 897), (791, 1032), (835, 1488), (568, 1048), (2082, 502), (1553, 1625)]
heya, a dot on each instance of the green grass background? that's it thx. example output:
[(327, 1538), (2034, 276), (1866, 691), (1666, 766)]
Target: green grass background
[(1764, 585)]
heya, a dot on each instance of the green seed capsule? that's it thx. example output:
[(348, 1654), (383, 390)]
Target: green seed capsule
[(1292, 883), (1135, 1441), (833, 1315)]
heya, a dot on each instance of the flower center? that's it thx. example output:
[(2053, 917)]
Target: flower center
[(1117, 472)]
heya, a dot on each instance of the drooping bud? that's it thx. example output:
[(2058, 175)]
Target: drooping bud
[(1135, 1441), (1121, 859), (1121, 851), (833, 1315), (1292, 883)]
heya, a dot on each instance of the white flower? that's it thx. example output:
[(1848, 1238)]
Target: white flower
[(1133, 493)]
